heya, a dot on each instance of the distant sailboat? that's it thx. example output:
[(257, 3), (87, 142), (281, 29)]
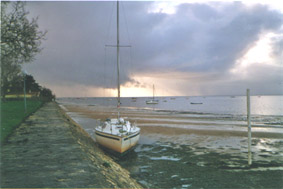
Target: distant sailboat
[(117, 134), (196, 103), (153, 101)]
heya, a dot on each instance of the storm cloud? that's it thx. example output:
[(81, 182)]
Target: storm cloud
[(199, 42)]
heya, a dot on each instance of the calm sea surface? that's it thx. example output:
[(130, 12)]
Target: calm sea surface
[(164, 158), (260, 105)]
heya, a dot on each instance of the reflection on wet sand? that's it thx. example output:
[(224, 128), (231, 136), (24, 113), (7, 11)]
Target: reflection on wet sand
[(181, 149), (179, 123)]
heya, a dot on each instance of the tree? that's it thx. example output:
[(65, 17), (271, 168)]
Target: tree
[(31, 84), (20, 41), (17, 84), (46, 94)]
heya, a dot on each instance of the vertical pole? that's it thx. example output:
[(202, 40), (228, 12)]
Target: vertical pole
[(25, 101), (249, 127), (118, 61)]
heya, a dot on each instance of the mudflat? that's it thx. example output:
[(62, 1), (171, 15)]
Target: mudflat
[(196, 150), (49, 150)]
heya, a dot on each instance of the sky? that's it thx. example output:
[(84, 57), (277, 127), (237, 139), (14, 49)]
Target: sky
[(184, 48)]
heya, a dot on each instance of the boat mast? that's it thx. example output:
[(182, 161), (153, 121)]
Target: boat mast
[(118, 61)]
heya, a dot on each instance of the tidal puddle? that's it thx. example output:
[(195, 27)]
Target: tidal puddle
[(170, 165)]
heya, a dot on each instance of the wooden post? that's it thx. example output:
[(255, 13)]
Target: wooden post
[(249, 127)]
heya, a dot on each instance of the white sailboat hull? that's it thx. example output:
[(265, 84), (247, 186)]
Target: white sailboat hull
[(116, 143)]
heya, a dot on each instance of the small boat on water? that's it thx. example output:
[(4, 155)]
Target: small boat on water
[(134, 99), (152, 101), (195, 103), (117, 134)]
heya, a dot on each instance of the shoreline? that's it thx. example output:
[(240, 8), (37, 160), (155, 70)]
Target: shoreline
[(164, 122), (168, 156), (50, 150), (183, 131)]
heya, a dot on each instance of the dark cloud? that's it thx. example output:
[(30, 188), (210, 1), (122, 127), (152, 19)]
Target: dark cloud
[(203, 38), (277, 44)]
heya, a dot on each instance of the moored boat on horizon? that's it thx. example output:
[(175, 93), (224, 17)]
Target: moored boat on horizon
[(152, 101), (196, 103)]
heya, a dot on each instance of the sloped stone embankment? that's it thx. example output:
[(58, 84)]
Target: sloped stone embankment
[(49, 150)]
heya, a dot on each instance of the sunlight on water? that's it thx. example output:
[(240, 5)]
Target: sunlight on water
[(260, 105)]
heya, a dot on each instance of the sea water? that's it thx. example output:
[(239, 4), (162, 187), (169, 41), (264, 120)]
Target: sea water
[(260, 105), (214, 158)]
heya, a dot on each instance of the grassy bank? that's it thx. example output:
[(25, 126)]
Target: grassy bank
[(13, 113)]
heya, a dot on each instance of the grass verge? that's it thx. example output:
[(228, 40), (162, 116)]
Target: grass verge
[(13, 113)]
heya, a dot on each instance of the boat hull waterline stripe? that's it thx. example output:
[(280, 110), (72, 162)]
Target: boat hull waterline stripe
[(114, 137), (131, 136), (107, 136)]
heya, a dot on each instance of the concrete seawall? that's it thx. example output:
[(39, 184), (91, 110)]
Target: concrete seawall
[(49, 150)]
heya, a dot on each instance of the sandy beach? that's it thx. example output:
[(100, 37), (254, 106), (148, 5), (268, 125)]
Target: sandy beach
[(199, 142), (180, 123)]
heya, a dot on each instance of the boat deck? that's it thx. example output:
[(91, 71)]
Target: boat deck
[(117, 127)]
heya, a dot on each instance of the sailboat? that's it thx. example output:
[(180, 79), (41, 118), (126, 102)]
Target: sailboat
[(117, 134), (153, 101)]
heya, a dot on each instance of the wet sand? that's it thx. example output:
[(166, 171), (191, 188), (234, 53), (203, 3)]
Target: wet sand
[(179, 123), (221, 133), (184, 150)]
